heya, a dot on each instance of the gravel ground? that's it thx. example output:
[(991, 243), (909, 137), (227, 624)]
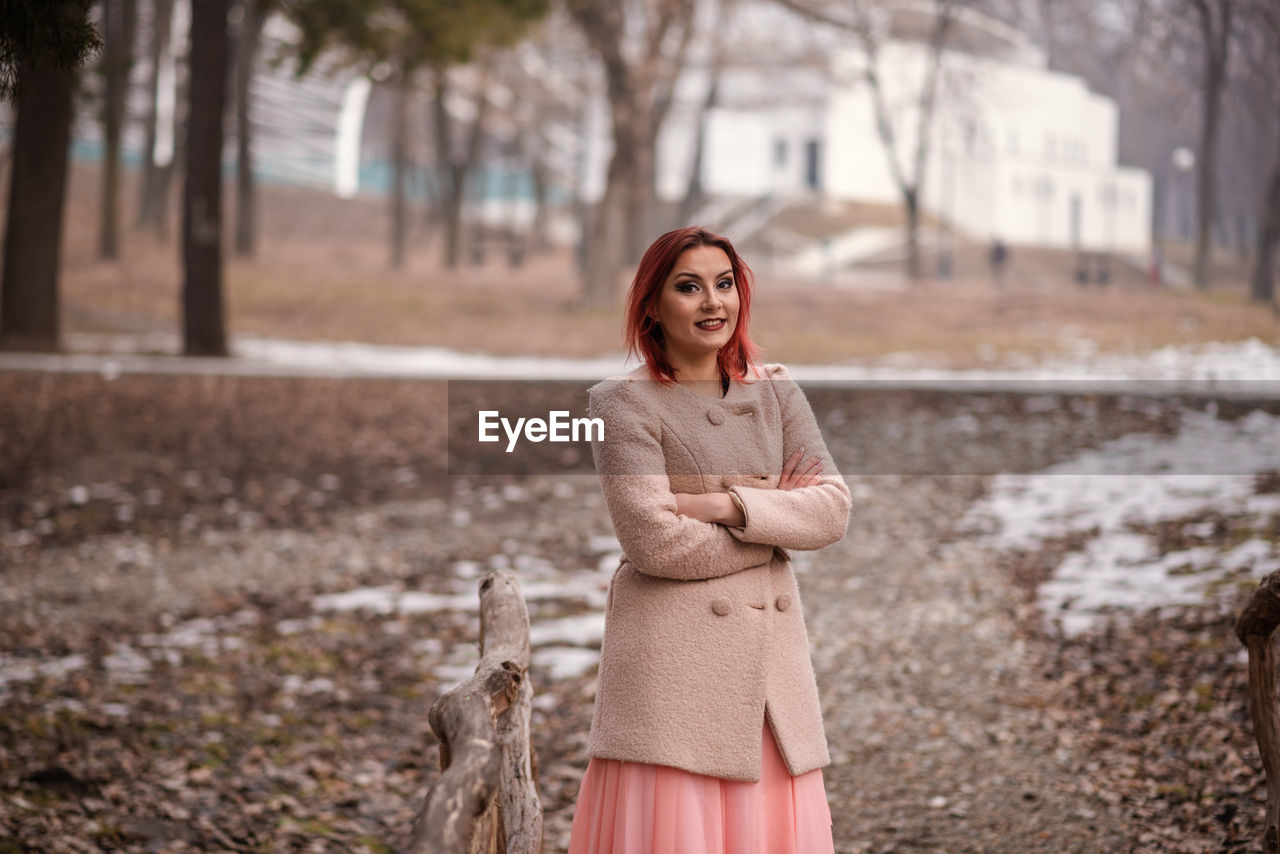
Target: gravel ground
[(932, 698), (174, 681)]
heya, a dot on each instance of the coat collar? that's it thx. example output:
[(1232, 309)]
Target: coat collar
[(740, 393)]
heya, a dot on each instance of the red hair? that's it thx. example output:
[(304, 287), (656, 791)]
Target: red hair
[(641, 332)]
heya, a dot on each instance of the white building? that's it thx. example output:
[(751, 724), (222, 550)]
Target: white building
[(1018, 152)]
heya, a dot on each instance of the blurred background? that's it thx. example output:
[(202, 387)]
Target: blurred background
[(483, 176), (1021, 253)]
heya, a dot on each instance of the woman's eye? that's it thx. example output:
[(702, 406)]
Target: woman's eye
[(724, 284), (686, 287)]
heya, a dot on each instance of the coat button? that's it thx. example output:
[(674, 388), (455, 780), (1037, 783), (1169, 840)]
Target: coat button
[(720, 607), (715, 416), (784, 602)]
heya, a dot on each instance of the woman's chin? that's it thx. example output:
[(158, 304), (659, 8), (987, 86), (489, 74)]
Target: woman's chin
[(714, 340)]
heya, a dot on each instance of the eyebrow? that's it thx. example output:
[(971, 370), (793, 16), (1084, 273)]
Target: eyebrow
[(693, 275)]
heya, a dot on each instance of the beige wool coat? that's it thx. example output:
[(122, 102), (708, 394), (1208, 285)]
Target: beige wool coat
[(704, 632)]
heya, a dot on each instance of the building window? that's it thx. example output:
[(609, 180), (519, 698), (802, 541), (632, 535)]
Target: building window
[(1051, 147), (813, 164), (779, 152)]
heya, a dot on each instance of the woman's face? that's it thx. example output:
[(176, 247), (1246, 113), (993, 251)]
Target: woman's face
[(698, 306)]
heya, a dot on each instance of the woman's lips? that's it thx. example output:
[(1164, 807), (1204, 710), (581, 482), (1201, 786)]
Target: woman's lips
[(711, 326)]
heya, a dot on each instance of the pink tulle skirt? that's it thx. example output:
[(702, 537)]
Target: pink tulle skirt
[(632, 808)]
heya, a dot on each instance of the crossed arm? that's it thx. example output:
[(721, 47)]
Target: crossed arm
[(670, 534), (722, 508)]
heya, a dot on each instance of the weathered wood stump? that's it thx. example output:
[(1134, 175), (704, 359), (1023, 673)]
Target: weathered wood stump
[(1255, 627), (486, 800)]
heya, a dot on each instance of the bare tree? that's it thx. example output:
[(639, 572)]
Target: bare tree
[(1207, 67), (120, 25), (642, 47), (40, 47), (400, 90), (1263, 37), (203, 304), (37, 190), (1214, 17), (405, 37), (248, 39), (1263, 279), (550, 77), (695, 194), (1193, 73), (909, 173), (455, 162), (155, 162)]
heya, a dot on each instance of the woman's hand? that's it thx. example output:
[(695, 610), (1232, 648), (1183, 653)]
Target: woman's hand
[(720, 508), (798, 472), (715, 507)]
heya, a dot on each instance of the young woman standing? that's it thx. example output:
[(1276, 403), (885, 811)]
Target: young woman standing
[(707, 734)]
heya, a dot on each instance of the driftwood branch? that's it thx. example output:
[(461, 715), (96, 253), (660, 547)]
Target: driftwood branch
[(486, 800), (1255, 627)]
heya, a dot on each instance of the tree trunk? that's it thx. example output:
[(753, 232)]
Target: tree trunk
[(639, 91), (607, 246), (148, 203), (37, 194), (603, 261), (1216, 47), (1255, 628), (1205, 184), (541, 183), (448, 176), (453, 199), (486, 797), (1264, 262), (204, 331), (119, 18), (181, 132), (454, 168), (911, 203), (695, 194), (630, 179), (399, 154), (247, 43), (642, 214)]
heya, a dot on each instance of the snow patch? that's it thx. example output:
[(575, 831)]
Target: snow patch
[(1252, 361), (566, 662), (1111, 494)]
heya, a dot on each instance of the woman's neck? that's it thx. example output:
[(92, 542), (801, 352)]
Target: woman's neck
[(703, 376), (702, 370)]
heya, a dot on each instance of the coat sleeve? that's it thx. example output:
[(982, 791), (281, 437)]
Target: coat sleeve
[(806, 518), (632, 470)]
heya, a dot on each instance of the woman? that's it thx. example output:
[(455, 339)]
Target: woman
[(707, 734)]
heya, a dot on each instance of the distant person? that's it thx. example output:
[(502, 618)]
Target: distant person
[(999, 256), (707, 735), (1157, 266)]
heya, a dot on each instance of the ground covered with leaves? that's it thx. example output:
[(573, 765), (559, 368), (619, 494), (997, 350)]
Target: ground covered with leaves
[(226, 605)]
